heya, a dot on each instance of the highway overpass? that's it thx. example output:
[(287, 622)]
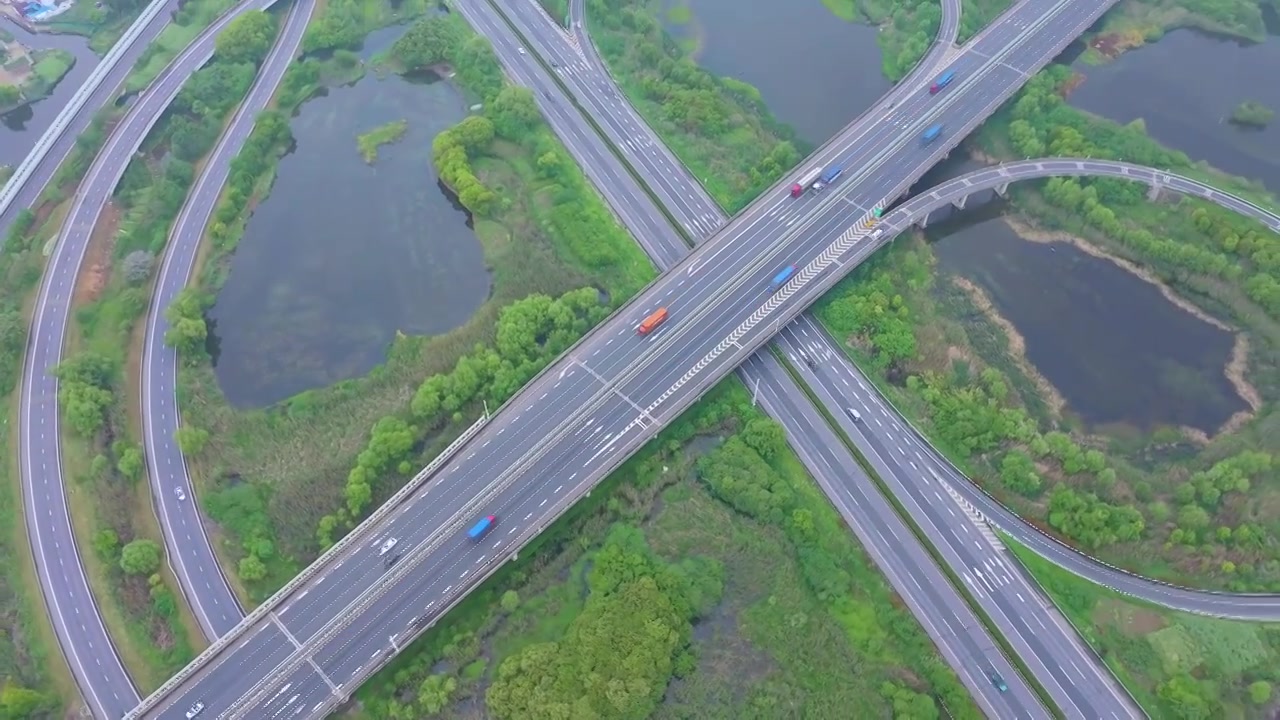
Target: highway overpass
[(623, 405), (1074, 677)]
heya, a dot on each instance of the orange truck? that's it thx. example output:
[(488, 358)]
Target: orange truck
[(656, 318)]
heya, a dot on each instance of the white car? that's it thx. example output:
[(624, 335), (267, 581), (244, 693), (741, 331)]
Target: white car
[(520, 50), (195, 710), (386, 546), (180, 493)]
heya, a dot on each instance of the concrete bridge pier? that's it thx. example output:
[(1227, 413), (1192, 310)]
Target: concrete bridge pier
[(1003, 190), (960, 202), (1153, 194)]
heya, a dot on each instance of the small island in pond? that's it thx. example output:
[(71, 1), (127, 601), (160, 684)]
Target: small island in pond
[(1252, 114), (382, 135), (28, 75)]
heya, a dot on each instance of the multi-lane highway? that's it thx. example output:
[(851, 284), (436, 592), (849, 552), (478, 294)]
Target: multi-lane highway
[(598, 404), (1075, 679), (187, 544), (107, 688), (1036, 631), (669, 180), (163, 489)]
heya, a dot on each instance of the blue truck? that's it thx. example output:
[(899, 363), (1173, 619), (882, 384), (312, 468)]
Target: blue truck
[(828, 176), (483, 526), (781, 278), (942, 81), (931, 134)]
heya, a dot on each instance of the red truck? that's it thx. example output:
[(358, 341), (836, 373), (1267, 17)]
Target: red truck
[(806, 181)]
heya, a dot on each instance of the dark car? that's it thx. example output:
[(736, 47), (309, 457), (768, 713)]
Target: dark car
[(998, 682)]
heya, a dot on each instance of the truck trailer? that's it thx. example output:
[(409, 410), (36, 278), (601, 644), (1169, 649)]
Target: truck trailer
[(943, 81), (482, 526), (656, 318), (781, 278), (806, 181), (830, 175)]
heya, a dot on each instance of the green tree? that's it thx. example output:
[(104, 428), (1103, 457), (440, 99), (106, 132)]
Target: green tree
[(18, 702), (84, 391), (1260, 692), (9, 96), (106, 544), (140, 557), (187, 330), (247, 39), (191, 440), (510, 601), (765, 436), (515, 112), (435, 692), (429, 41), (251, 568), (130, 462)]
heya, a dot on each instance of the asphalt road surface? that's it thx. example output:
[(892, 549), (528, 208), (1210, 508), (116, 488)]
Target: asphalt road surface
[(1063, 663)]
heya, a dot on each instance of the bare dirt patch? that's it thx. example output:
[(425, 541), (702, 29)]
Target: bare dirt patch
[(98, 270), (1127, 619), (1112, 45)]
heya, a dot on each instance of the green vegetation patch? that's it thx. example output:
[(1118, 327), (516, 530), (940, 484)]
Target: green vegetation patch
[(1178, 665), (33, 75), (715, 523), (288, 481), (369, 142), (1252, 114)]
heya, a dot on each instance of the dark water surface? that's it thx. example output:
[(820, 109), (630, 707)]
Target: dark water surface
[(342, 254), (815, 71), (1111, 343), (1185, 87)]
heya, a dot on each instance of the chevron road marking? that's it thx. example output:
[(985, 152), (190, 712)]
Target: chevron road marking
[(980, 520)]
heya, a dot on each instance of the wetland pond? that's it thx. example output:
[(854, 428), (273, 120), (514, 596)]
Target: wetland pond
[(1185, 87), (343, 254), (1118, 351), (815, 71)]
